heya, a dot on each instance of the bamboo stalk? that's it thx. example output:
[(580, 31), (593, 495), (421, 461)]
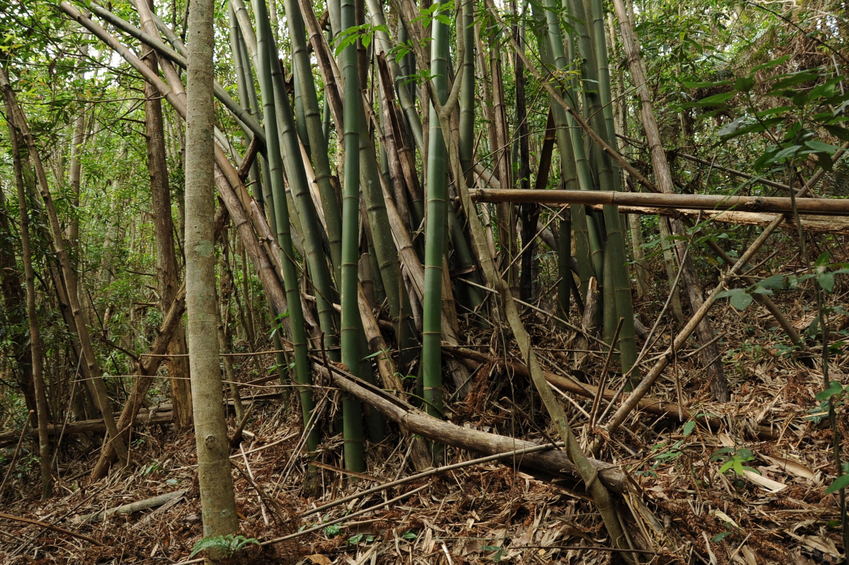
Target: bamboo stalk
[(305, 87), (715, 202), (352, 425), (435, 231), (265, 63)]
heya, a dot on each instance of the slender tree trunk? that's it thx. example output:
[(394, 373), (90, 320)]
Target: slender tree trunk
[(216, 482), (30, 366), (663, 176), (166, 260), (14, 315), (77, 142), (225, 336), (95, 383)]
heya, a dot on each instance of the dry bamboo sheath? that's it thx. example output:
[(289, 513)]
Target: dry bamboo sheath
[(824, 206)]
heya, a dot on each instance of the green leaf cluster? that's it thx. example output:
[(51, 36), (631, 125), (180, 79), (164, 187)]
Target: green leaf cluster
[(227, 545), (734, 459), (824, 275)]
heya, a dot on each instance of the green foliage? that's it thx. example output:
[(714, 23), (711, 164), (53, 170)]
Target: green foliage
[(665, 452), (332, 530), (835, 395), (279, 324), (811, 103), (363, 33), (734, 459), (840, 482), (720, 536), (739, 297), (150, 468), (498, 552), (226, 545), (438, 11), (360, 538), (824, 275)]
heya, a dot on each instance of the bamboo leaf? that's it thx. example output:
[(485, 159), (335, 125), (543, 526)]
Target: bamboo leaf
[(775, 282), (821, 147), (826, 281), (839, 483), (792, 80), (770, 64), (739, 297), (834, 388), (716, 99), (744, 84)]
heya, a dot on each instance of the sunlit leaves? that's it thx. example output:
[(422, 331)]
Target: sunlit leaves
[(363, 33)]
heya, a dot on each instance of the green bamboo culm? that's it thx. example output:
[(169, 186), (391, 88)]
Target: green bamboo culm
[(550, 41), (314, 237), (572, 150), (297, 329), (435, 230), (616, 284), (317, 141), (613, 221), (467, 92), (352, 421), (464, 257), (258, 175), (405, 97)]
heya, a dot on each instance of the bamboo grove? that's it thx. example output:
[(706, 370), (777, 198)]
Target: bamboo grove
[(362, 151), (294, 185)]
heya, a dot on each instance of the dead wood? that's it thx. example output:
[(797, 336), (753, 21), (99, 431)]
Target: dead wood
[(131, 507), (554, 461), (809, 222), (650, 405), (49, 527), (824, 206), (84, 427)]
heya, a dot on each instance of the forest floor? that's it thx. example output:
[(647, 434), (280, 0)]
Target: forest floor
[(750, 491)]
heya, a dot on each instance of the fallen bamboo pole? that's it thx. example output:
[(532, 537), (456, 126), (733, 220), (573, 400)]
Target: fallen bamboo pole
[(131, 507), (86, 426), (809, 222), (554, 461), (824, 206)]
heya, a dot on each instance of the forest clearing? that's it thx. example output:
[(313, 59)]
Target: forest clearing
[(360, 282)]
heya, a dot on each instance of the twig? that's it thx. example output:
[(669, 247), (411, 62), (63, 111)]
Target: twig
[(346, 517), (15, 455), (131, 507), (325, 524), (49, 527), (427, 473)]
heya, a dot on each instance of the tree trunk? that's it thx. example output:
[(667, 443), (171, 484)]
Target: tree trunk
[(166, 260), (30, 366), (663, 176), (216, 482), (94, 380)]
